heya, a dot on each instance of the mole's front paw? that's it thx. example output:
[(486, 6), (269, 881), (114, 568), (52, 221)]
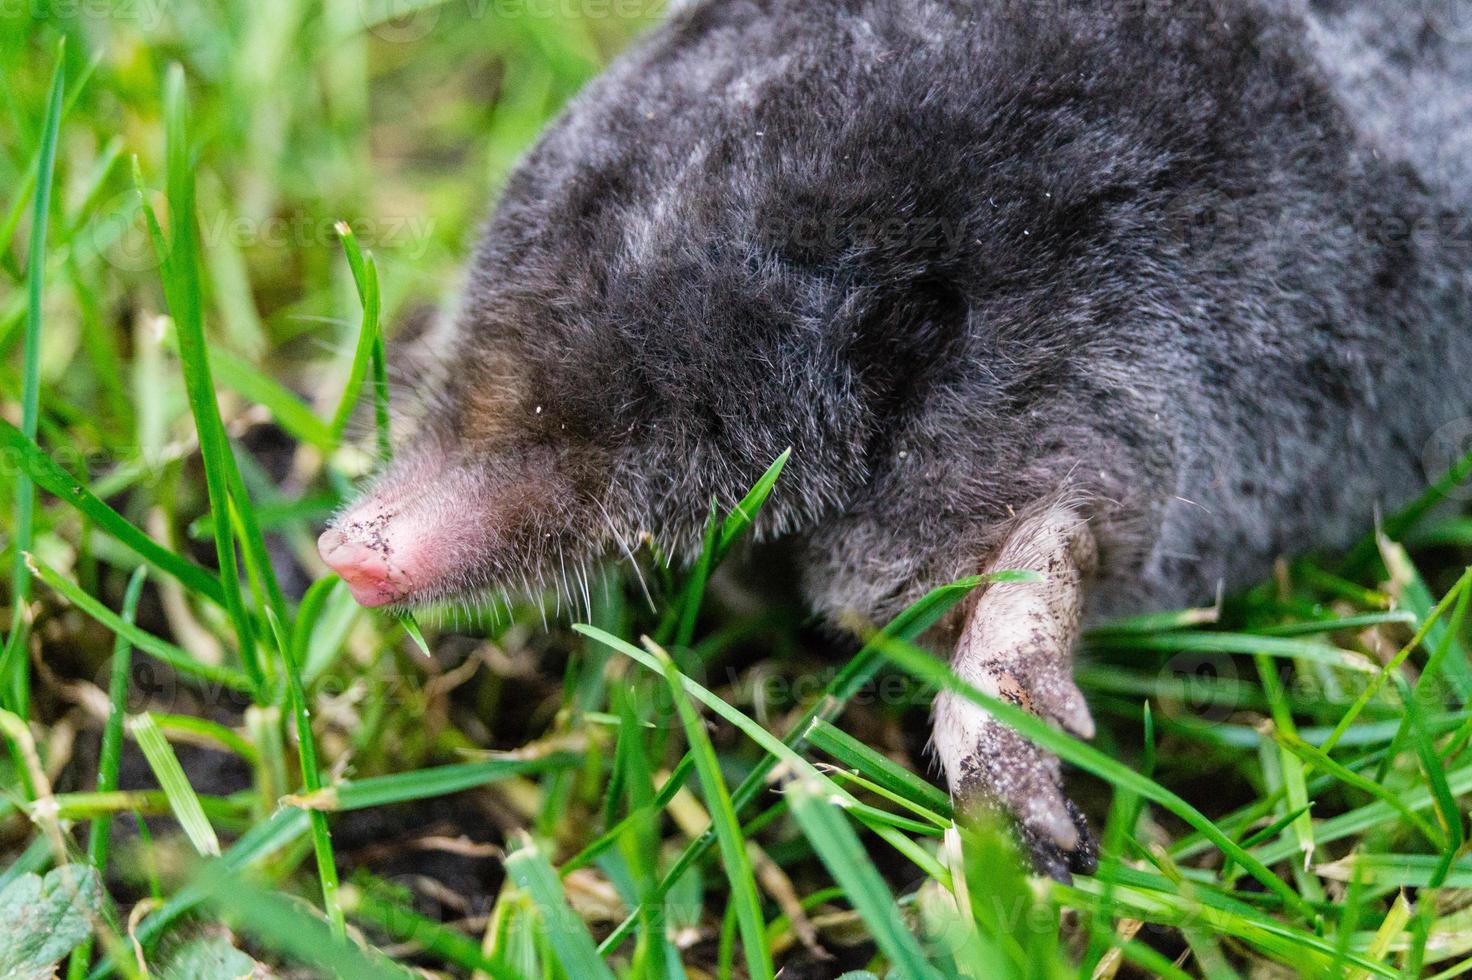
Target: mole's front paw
[(1017, 644), (992, 768)]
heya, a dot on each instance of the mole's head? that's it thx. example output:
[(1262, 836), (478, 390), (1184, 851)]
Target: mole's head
[(681, 281)]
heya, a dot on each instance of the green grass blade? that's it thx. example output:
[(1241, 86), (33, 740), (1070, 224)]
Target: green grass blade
[(1119, 827), (1395, 871), (1445, 647), (255, 557), (1191, 641), (1371, 689), (278, 923), (1435, 770), (311, 780), (276, 515), (261, 842), (203, 730), (289, 411), (1400, 523), (1295, 784), (424, 784), (931, 824), (406, 925), (179, 259), (720, 538), (99, 837), (147, 642), (744, 513), (639, 844), (1392, 926), (1157, 622), (570, 940), (92, 806), (1317, 759), (1455, 669), (365, 276), (1162, 902), (845, 858), (14, 666), (316, 605), (1448, 532), (687, 608), (171, 779), (878, 767), (1342, 623), (56, 481), (382, 416), (411, 627), (359, 264), (726, 826)]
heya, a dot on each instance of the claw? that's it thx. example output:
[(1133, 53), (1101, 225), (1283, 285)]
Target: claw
[(1059, 700), (1075, 718), (1017, 644), (1059, 863)]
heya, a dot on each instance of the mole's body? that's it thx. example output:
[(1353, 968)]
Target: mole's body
[(1139, 294)]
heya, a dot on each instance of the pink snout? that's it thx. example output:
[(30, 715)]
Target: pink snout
[(366, 566), (424, 533)]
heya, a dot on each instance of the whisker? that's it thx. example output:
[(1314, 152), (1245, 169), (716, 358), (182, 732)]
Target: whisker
[(633, 563)]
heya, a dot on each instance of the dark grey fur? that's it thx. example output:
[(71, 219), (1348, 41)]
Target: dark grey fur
[(1203, 266)]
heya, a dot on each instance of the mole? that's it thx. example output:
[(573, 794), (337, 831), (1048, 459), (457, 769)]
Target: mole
[(1138, 295)]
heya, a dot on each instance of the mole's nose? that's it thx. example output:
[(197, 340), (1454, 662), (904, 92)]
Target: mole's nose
[(366, 570)]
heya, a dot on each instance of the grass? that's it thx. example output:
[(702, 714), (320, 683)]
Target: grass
[(12, 673), (212, 218)]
